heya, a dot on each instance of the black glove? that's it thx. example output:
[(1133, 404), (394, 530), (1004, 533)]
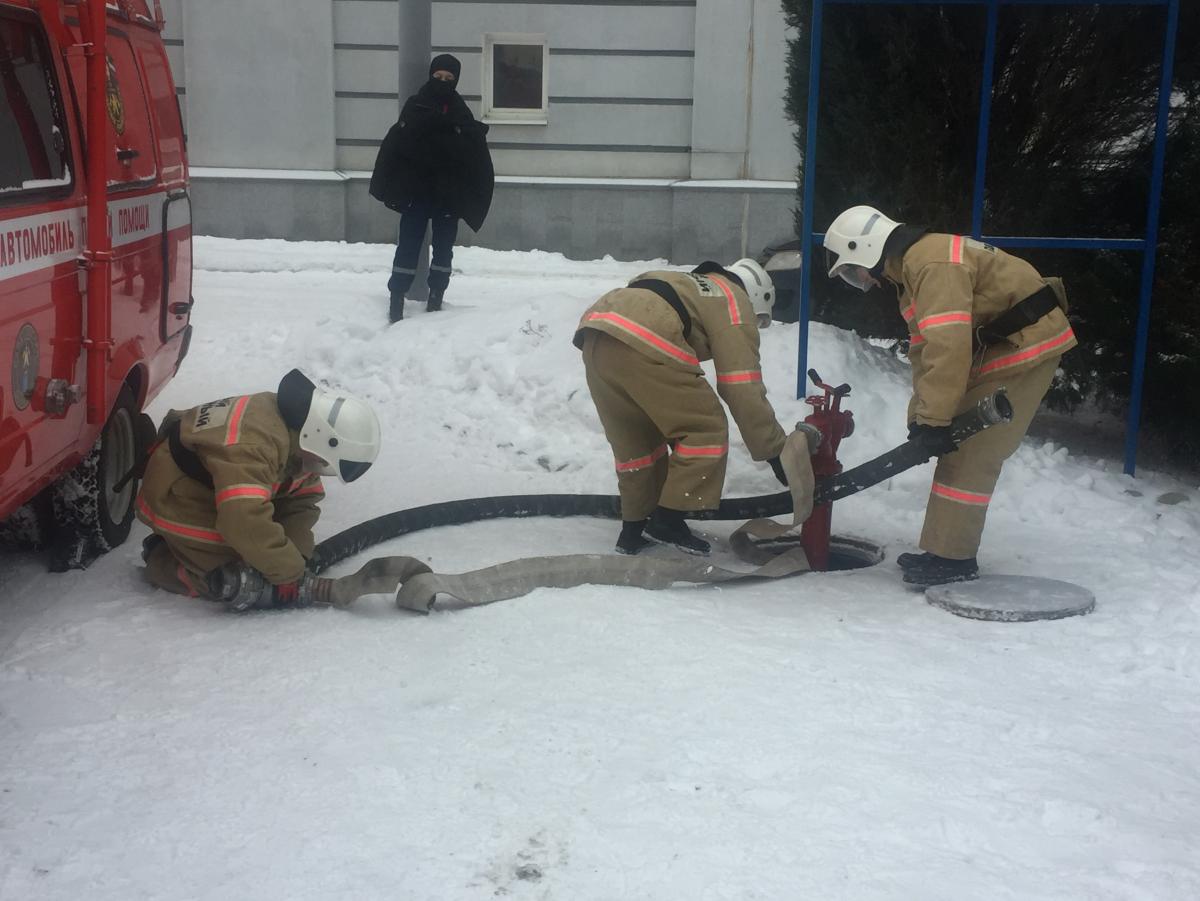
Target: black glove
[(934, 438), (777, 466)]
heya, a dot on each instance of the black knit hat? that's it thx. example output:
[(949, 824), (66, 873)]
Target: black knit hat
[(447, 62)]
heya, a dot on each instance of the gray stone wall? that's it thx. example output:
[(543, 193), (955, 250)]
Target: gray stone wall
[(682, 221)]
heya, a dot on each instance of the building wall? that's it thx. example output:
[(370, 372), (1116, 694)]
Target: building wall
[(772, 149), (620, 80), (665, 127), (261, 79)]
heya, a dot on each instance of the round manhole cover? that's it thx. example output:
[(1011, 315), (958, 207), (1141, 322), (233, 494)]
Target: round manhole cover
[(1012, 599)]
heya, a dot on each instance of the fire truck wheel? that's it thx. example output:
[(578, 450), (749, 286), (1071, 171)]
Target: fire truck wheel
[(118, 454)]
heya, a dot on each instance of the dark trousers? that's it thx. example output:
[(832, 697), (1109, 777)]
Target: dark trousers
[(408, 248)]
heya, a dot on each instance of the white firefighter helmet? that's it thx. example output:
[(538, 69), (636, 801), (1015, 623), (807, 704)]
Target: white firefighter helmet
[(338, 428), (854, 244), (759, 288)]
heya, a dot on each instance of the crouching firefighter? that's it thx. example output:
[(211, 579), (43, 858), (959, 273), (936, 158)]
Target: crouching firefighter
[(978, 319), (642, 347), (231, 491)]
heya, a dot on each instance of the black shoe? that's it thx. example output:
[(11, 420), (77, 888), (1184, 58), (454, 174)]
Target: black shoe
[(150, 544), (396, 308), (631, 540), (666, 526), (434, 303), (906, 561), (940, 571)]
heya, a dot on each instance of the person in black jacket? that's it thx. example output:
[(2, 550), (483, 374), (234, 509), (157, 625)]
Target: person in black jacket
[(434, 165)]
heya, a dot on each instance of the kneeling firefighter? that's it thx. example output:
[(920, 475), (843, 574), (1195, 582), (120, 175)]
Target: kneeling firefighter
[(642, 347), (978, 319), (231, 490)]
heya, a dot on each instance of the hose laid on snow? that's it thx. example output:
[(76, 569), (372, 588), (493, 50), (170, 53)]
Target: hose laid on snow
[(992, 410), (420, 586), (375, 531)]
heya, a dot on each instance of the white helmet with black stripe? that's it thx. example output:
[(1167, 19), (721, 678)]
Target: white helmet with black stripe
[(854, 245), (339, 429), (759, 288)]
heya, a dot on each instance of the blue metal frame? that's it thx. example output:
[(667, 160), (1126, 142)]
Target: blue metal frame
[(1148, 245)]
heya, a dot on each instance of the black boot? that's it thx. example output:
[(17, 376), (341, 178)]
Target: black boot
[(396, 308), (631, 540), (667, 526), (940, 570), (150, 544), (905, 561), (435, 300)]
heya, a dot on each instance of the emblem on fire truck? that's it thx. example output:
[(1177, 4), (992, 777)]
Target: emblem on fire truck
[(24, 366), (112, 93)]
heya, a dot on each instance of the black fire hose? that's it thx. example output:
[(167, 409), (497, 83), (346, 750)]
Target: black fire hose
[(991, 410), (513, 506), (994, 409)]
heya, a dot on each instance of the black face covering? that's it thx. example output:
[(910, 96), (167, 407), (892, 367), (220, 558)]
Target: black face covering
[(438, 88)]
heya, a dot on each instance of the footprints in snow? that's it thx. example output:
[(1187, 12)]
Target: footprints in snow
[(527, 867)]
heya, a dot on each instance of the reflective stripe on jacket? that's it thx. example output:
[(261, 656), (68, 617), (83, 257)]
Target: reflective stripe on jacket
[(262, 504), (950, 286), (723, 329)]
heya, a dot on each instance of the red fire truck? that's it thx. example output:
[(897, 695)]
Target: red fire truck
[(95, 264)]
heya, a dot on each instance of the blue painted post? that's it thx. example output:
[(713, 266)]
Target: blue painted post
[(985, 117), (810, 179), (1151, 250)]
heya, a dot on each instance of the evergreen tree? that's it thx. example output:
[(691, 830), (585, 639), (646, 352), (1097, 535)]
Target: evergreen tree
[(1072, 127)]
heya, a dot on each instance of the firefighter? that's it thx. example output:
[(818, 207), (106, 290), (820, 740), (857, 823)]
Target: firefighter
[(978, 319), (642, 347), (231, 491), (433, 167)]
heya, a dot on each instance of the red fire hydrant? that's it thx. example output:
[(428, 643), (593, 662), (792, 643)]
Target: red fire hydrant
[(834, 424)]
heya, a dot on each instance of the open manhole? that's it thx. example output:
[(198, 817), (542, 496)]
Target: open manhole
[(852, 553), (844, 552)]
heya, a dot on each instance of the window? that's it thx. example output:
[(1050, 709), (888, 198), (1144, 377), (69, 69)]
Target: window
[(32, 142), (514, 78)]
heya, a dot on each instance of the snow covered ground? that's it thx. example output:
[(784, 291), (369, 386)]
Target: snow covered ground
[(827, 737)]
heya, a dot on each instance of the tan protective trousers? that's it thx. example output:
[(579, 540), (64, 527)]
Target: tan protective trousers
[(964, 480), (180, 568), (648, 408)]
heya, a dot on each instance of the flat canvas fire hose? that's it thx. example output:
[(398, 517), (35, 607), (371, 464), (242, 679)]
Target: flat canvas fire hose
[(519, 577)]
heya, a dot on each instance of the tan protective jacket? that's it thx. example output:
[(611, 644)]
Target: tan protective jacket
[(723, 330), (262, 504), (951, 285)]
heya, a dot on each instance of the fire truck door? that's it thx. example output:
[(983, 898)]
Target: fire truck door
[(135, 203), (176, 304), (40, 311), (177, 209)]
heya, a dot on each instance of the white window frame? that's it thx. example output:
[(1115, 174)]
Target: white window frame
[(509, 115)]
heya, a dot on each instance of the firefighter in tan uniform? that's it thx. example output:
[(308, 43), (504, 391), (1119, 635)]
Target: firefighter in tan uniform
[(978, 319), (232, 489), (642, 347)]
